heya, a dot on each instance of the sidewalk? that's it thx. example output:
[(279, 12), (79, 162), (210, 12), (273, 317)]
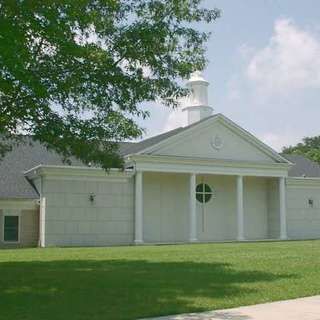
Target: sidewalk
[(297, 309)]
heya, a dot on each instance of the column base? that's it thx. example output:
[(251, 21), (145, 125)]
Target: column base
[(193, 240), (241, 239), (283, 238), (138, 242)]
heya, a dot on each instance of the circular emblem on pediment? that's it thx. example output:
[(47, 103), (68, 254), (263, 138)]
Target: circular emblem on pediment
[(216, 142)]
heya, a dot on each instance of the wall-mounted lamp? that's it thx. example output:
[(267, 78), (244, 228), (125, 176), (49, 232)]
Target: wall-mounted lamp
[(92, 197)]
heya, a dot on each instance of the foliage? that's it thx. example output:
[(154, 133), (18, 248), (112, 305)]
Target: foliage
[(140, 282), (309, 147), (74, 73)]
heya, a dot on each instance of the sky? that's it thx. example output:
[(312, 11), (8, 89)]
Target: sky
[(263, 70)]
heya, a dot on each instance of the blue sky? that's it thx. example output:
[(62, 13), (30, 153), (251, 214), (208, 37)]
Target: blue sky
[(264, 70)]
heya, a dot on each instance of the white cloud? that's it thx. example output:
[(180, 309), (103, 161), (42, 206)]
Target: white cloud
[(290, 61)]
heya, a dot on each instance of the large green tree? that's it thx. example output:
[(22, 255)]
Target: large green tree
[(74, 73), (309, 147)]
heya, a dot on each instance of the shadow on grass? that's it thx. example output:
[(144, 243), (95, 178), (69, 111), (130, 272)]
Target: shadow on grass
[(119, 289)]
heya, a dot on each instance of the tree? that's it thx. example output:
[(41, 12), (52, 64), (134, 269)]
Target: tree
[(74, 73), (309, 147)]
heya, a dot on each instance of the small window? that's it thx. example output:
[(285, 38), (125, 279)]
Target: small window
[(11, 229), (204, 193)]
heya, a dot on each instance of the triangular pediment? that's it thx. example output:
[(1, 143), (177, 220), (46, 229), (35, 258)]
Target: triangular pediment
[(215, 138)]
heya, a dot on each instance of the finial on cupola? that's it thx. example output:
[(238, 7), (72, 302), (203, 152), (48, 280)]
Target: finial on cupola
[(197, 102)]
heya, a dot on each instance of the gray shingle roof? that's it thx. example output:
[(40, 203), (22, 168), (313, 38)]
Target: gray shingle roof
[(23, 157), (302, 166)]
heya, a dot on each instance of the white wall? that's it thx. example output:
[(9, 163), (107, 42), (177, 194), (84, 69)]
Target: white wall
[(72, 220), (166, 213), (166, 208), (255, 208), (303, 221)]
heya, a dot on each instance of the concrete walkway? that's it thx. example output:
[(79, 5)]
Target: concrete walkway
[(297, 309)]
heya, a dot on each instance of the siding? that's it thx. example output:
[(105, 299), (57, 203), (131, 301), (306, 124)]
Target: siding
[(72, 220), (303, 221), (255, 208), (166, 207)]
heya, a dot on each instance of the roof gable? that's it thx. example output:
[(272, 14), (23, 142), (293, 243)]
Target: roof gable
[(216, 137)]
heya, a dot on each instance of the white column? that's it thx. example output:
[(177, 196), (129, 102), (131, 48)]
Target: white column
[(240, 215), (138, 234), (192, 208), (282, 198), (42, 222)]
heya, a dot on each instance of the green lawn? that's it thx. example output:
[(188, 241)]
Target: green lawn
[(134, 282)]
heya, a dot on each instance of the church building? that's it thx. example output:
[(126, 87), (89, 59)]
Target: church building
[(208, 181)]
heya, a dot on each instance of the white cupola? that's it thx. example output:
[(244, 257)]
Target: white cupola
[(197, 102)]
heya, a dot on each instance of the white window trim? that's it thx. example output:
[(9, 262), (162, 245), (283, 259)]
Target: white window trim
[(8, 213)]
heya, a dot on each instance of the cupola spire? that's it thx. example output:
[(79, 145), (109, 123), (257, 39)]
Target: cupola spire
[(197, 102)]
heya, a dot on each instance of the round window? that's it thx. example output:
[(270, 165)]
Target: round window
[(203, 193)]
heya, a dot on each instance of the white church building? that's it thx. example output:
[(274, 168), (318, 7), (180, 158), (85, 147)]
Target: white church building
[(208, 181)]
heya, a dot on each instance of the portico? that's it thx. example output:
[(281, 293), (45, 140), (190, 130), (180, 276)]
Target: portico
[(243, 199)]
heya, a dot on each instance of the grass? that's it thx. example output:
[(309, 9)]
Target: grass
[(136, 282)]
